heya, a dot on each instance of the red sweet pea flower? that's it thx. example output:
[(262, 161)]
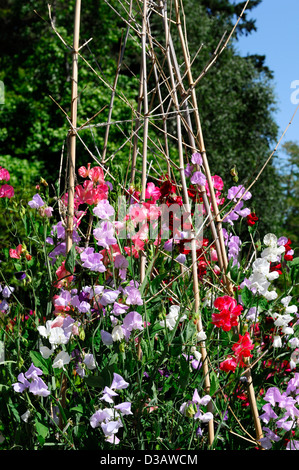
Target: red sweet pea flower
[(251, 219), (229, 364), (242, 348), (229, 312)]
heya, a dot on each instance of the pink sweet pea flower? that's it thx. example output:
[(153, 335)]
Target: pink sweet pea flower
[(4, 174), (6, 191), (96, 174)]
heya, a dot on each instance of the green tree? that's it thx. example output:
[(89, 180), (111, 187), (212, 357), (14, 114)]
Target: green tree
[(235, 97)]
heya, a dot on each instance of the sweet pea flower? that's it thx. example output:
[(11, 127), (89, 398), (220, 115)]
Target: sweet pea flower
[(198, 178), (92, 260), (172, 317), (36, 202), (133, 321), (31, 380), (196, 159), (118, 382), (62, 359), (104, 234), (103, 209), (6, 191)]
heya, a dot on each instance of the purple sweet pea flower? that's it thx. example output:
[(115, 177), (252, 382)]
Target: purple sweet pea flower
[(105, 234), (235, 192), (106, 338), (92, 260), (118, 383), (124, 408), (196, 159), (118, 308), (133, 296), (36, 202), (198, 178), (31, 380), (103, 210), (133, 321), (108, 394)]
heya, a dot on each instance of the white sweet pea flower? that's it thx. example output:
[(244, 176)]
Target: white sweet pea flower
[(277, 342), (270, 240), (286, 300), (273, 251), (201, 336), (294, 359), (172, 317), (61, 360), (89, 361), (291, 309), (117, 333), (46, 352)]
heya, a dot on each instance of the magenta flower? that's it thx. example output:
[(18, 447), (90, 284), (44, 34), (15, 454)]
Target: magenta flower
[(6, 191), (4, 174)]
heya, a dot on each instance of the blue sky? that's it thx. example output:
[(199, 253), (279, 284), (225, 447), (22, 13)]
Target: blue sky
[(277, 37)]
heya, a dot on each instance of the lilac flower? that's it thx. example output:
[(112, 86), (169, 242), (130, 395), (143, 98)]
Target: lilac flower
[(121, 263), (108, 393), (236, 213), (235, 192), (103, 210), (89, 361), (192, 408), (269, 436), (92, 260), (189, 170), (268, 414), (7, 291), (100, 416), (133, 296), (118, 383), (31, 380), (105, 234), (196, 158), (133, 321), (36, 202), (198, 178), (109, 297), (292, 445), (106, 338), (118, 308), (124, 408), (82, 307)]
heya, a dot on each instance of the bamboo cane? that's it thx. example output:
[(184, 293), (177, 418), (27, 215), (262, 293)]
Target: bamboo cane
[(72, 134), (187, 206), (252, 399)]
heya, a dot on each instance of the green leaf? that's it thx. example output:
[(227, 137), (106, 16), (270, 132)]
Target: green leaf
[(71, 259), (246, 296), (214, 384), (39, 361), (41, 429)]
